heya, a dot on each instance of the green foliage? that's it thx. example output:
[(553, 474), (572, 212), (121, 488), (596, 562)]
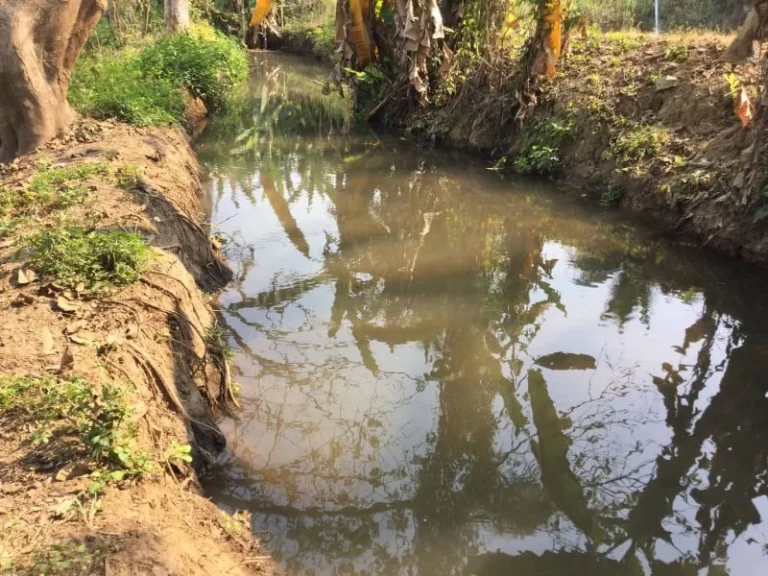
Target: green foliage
[(638, 143), (320, 39), (65, 559), (49, 189), (147, 87), (216, 340), (611, 195), (324, 38), (678, 53), (96, 259), (179, 453), (114, 86), (538, 160), (207, 63), (540, 152), (75, 418)]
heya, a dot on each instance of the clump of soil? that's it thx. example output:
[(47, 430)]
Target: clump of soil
[(111, 487), (644, 122)]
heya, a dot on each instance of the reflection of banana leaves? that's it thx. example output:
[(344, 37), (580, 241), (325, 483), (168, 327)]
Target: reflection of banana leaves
[(551, 451), (283, 213)]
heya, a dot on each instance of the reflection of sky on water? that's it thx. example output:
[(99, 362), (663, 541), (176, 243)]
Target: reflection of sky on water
[(388, 315)]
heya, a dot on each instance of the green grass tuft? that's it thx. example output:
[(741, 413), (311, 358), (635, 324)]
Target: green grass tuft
[(96, 259), (207, 63), (71, 419), (49, 189), (638, 144)]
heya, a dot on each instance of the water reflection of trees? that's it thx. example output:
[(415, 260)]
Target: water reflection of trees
[(416, 261)]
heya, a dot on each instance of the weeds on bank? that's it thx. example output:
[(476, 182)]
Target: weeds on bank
[(611, 195), (113, 86), (71, 419), (95, 259), (637, 144), (66, 559), (207, 63), (540, 152), (49, 189), (147, 87), (216, 341)]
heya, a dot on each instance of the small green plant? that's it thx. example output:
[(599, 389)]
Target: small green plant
[(96, 259), (538, 160), (63, 185), (128, 175), (677, 53), (611, 195), (216, 340), (638, 144), (75, 419), (179, 453), (540, 152), (66, 559), (49, 189)]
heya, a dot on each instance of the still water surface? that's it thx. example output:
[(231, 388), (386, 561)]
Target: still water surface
[(446, 372)]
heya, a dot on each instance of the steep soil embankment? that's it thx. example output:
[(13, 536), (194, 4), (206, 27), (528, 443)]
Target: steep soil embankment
[(646, 123), (106, 391)]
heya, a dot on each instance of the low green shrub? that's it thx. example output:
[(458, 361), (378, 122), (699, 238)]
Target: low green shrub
[(540, 151), (114, 86), (204, 61), (611, 195), (147, 87), (96, 259)]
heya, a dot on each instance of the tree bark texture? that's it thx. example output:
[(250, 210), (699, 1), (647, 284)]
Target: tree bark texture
[(176, 15), (41, 41), (753, 29)]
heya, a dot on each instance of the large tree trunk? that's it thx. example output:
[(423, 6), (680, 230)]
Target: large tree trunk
[(753, 29), (176, 15), (41, 41)]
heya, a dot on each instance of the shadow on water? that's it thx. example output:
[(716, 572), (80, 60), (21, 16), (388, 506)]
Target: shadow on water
[(444, 372)]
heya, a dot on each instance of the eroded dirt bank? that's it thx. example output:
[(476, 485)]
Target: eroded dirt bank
[(108, 379), (646, 123)]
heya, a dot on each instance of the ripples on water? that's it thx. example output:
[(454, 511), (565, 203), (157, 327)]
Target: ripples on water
[(445, 372)]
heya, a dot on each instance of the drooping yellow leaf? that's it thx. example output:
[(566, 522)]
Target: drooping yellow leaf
[(359, 31), (743, 108), (260, 11)]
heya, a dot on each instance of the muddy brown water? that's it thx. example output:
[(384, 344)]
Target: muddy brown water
[(446, 371)]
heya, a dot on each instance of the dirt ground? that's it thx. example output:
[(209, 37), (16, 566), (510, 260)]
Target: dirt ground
[(151, 339)]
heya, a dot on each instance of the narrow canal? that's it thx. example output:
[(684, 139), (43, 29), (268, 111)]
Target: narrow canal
[(444, 371)]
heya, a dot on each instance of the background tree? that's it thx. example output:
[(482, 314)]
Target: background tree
[(176, 15), (42, 39)]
